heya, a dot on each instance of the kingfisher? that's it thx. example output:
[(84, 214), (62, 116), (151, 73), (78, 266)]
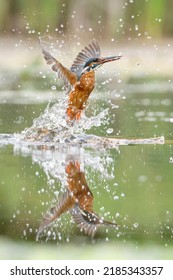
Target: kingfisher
[(80, 79), (78, 201)]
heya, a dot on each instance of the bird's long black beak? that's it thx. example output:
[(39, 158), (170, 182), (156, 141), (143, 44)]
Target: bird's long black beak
[(108, 59)]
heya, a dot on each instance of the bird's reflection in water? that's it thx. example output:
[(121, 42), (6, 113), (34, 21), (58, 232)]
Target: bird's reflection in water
[(66, 165), (78, 200)]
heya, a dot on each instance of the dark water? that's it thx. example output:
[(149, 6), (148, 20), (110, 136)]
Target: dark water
[(132, 184)]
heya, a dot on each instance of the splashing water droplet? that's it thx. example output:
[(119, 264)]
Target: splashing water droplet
[(53, 87), (135, 225), (109, 130), (171, 160)]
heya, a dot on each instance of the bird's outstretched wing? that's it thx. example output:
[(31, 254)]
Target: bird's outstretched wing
[(91, 51), (63, 205), (88, 221), (84, 221), (69, 78)]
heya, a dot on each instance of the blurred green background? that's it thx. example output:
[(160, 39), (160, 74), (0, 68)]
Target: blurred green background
[(140, 30), (107, 18)]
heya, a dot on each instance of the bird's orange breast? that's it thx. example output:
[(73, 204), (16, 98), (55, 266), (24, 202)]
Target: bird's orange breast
[(79, 95), (78, 186)]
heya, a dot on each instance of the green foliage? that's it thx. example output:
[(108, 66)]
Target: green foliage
[(107, 18)]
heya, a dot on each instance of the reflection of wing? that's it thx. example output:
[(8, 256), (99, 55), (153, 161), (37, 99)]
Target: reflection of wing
[(64, 204), (85, 221), (63, 73), (91, 51)]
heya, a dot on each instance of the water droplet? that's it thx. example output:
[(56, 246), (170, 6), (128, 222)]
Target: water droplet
[(136, 27), (135, 225), (53, 87), (109, 130), (171, 160)]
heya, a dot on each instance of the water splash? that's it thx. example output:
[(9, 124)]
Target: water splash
[(53, 126)]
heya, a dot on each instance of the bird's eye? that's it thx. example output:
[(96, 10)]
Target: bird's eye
[(93, 66)]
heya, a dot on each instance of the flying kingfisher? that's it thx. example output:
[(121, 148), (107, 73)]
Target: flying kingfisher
[(78, 201), (80, 79)]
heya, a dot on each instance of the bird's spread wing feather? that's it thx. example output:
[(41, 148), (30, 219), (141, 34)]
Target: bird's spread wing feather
[(88, 221), (68, 77), (91, 51), (63, 205), (80, 217)]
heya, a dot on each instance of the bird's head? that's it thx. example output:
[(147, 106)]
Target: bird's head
[(93, 64)]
